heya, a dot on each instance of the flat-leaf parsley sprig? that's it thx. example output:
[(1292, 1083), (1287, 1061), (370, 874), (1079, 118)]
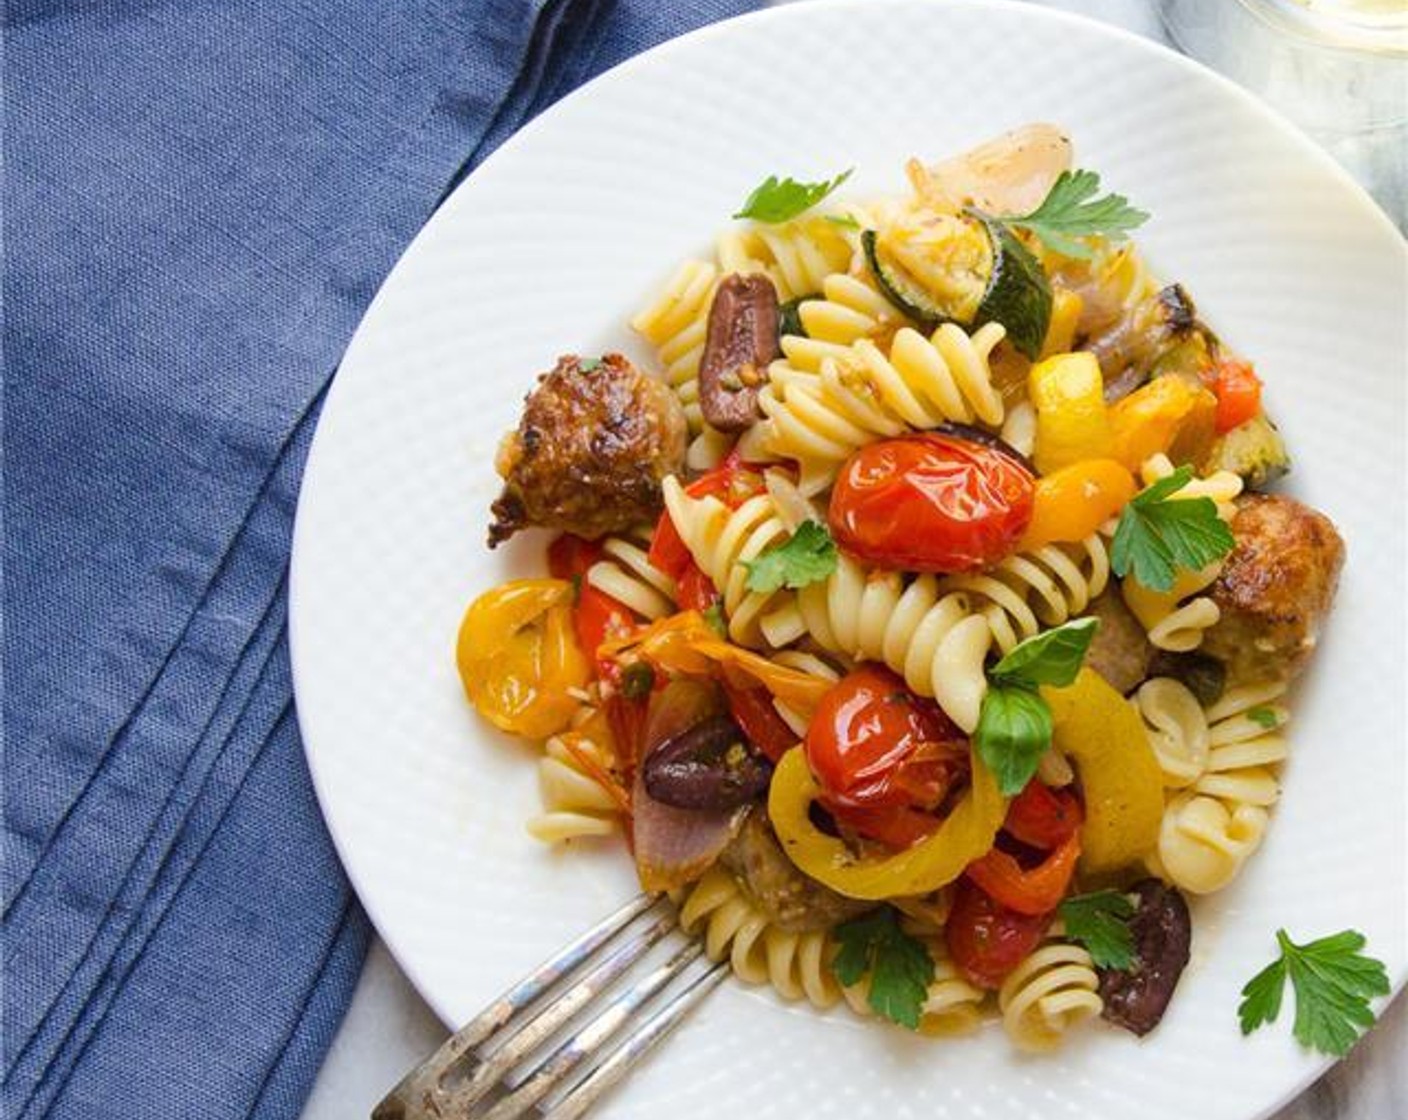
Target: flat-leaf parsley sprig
[(780, 200), (807, 556), (1070, 211), (1333, 983), (1014, 724), (1159, 533), (899, 965), (1100, 922)]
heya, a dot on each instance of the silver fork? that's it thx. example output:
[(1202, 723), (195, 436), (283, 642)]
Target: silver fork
[(490, 1070)]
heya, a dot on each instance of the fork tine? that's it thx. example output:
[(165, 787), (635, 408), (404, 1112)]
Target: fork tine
[(635, 1047), (584, 1043), (424, 1082), (457, 1099)]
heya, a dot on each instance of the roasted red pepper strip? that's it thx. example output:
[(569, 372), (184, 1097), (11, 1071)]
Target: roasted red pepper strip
[(1043, 817), (752, 709), (1238, 392), (1033, 891)]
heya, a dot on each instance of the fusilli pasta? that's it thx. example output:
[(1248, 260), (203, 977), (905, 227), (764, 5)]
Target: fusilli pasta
[(625, 573), (576, 802), (1051, 991)]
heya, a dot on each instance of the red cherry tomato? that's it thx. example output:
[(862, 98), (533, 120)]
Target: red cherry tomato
[(1042, 817), (598, 617), (693, 589), (882, 754), (986, 940), (930, 503)]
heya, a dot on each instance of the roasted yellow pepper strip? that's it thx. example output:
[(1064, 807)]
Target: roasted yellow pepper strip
[(1068, 394), (1066, 307), (1073, 502), (518, 656), (1101, 733), (1152, 418), (965, 835)]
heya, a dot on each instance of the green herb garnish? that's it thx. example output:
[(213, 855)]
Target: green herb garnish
[(899, 965), (586, 365), (1158, 533), (1333, 983), (714, 616), (1100, 922), (1264, 717), (1014, 723), (807, 556), (775, 200), (1070, 211), (845, 221)]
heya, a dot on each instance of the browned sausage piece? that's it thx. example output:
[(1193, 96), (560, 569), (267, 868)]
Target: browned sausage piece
[(588, 456), (1120, 651), (742, 340), (1275, 589)]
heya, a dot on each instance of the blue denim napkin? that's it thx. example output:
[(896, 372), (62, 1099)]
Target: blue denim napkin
[(201, 197)]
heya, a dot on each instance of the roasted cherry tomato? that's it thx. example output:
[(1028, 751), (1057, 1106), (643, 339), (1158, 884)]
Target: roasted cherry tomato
[(694, 591), (1027, 890), (1042, 817), (598, 618), (731, 482), (930, 503), (985, 939), (878, 751), (1238, 392), (518, 658)]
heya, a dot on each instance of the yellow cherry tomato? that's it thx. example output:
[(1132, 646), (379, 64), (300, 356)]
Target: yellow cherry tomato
[(1073, 502), (966, 834), (1099, 731), (1068, 394), (518, 657), (1152, 418)]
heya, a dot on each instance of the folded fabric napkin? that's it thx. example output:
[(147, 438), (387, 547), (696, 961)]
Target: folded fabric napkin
[(201, 198)]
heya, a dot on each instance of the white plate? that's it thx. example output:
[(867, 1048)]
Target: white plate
[(558, 238)]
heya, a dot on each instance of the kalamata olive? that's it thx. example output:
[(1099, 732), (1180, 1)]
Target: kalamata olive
[(1136, 997), (707, 766), (741, 341), (987, 439), (1204, 676)]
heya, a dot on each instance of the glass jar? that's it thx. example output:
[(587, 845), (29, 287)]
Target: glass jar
[(1336, 68)]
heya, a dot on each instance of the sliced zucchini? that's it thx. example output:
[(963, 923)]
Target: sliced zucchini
[(789, 317), (967, 269), (1254, 450)]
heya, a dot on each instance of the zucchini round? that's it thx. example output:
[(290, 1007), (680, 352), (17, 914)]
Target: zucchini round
[(1011, 288)]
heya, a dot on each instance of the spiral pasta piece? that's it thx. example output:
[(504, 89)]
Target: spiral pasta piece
[(796, 965), (626, 574), (820, 418), (721, 540), (797, 256), (1219, 761), (928, 635), (850, 308), (1046, 995), (1030, 591), (576, 802), (676, 323), (806, 663)]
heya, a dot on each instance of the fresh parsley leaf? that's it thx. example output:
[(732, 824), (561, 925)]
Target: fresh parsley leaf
[(775, 200), (1014, 730), (586, 365), (714, 616), (1333, 983), (1100, 922), (1052, 657), (845, 221), (1159, 533), (807, 556), (899, 965), (1070, 210), (1264, 717)]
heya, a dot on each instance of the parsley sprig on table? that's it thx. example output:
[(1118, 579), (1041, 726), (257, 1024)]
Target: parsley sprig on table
[(899, 965), (1333, 983), (779, 200), (807, 556), (1070, 211), (1014, 723), (1159, 533), (1100, 922)]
